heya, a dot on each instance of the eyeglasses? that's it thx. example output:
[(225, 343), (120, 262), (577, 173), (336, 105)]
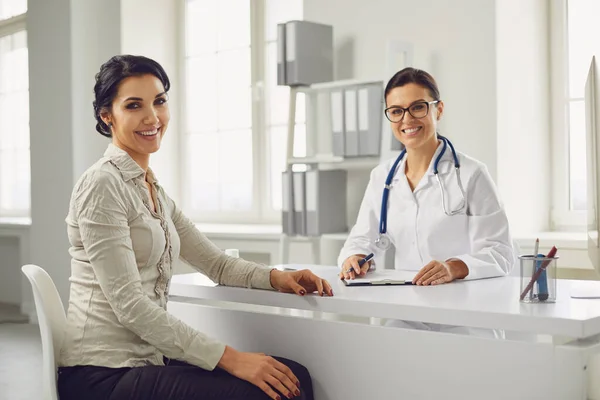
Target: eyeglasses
[(417, 110)]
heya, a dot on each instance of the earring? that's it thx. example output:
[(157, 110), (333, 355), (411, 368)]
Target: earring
[(110, 124)]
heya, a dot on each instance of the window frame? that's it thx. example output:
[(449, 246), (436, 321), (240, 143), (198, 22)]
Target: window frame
[(562, 218), (11, 26), (261, 212)]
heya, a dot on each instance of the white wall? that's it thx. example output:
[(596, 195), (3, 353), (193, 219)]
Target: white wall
[(453, 40), (523, 109), (10, 292)]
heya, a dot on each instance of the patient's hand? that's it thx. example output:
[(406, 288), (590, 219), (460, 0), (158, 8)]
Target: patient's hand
[(261, 370), (350, 267), (299, 282)]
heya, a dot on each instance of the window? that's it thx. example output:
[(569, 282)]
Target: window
[(12, 8), (583, 33), (15, 177), (573, 31), (235, 115)]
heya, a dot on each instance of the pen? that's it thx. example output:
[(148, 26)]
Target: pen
[(542, 281), (536, 250), (363, 261)]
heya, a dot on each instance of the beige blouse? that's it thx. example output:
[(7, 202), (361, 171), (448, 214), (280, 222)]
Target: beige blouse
[(122, 261)]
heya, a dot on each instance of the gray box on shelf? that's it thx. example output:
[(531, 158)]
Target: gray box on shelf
[(325, 202), (307, 51), (370, 119)]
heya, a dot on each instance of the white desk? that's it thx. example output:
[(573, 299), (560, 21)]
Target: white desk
[(360, 361)]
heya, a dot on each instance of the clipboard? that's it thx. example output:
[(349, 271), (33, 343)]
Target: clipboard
[(388, 277)]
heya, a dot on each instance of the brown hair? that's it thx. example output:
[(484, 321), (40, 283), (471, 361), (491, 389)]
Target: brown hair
[(413, 75)]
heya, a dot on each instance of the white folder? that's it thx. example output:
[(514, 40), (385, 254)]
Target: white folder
[(370, 118), (337, 122), (351, 123)]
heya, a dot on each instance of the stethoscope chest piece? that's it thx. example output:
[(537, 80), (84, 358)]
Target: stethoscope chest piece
[(383, 242)]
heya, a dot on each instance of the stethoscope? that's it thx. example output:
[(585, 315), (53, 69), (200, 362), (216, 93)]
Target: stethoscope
[(383, 241)]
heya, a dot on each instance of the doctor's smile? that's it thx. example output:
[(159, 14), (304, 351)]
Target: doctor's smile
[(412, 131)]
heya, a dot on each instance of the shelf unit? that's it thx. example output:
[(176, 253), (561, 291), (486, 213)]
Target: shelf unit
[(322, 160)]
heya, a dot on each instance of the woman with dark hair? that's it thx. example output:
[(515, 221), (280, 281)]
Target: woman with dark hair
[(125, 233), (438, 207)]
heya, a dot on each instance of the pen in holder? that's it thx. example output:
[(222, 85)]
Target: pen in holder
[(538, 278)]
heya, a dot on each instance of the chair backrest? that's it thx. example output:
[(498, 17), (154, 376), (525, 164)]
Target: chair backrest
[(52, 321)]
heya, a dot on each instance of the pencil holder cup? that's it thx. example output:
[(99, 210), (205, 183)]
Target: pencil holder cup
[(538, 279)]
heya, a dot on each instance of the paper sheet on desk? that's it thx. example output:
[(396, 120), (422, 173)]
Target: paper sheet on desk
[(585, 290), (383, 277)]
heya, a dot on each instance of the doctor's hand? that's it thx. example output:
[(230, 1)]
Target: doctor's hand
[(350, 268), (299, 282), (438, 272)]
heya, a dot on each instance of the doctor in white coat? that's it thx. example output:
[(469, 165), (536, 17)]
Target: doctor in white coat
[(452, 229)]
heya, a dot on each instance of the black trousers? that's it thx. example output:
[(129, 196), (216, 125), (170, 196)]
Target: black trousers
[(174, 381)]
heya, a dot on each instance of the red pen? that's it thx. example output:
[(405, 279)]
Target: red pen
[(537, 273)]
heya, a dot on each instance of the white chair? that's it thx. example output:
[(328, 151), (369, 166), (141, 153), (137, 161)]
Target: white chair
[(52, 320)]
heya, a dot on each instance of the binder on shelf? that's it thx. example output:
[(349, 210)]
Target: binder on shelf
[(325, 202), (370, 118), (287, 203), (306, 49), (281, 54), (351, 123), (299, 191), (337, 122)]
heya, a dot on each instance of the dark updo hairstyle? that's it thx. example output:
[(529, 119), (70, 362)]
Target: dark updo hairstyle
[(112, 74), (416, 76)]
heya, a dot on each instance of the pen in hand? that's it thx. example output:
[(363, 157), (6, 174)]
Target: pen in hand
[(362, 262)]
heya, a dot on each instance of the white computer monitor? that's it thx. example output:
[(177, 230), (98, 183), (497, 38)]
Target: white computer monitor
[(592, 127), (591, 289)]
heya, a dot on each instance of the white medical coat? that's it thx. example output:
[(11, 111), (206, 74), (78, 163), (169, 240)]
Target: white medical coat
[(421, 231)]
